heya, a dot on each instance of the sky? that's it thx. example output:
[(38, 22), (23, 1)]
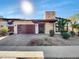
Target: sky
[(35, 9)]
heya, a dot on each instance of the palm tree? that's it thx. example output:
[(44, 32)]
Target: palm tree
[(74, 19), (62, 22)]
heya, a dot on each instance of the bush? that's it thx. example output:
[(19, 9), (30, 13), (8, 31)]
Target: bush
[(63, 31), (40, 42), (72, 33), (3, 31), (65, 35), (51, 33)]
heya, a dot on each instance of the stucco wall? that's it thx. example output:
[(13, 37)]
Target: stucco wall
[(23, 22), (48, 27)]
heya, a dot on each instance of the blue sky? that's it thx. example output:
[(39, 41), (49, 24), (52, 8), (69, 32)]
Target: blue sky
[(63, 8)]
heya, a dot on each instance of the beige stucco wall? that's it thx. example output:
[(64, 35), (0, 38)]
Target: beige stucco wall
[(23, 22), (48, 27)]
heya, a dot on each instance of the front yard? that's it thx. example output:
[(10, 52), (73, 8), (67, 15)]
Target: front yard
[(38, 40)]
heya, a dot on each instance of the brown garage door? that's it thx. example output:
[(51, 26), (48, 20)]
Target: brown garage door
[(26, 29)]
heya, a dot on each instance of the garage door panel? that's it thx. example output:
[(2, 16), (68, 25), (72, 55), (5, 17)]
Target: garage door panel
[(26, 29), (21, 29)]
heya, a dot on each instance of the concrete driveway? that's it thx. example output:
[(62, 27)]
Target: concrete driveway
[(20, 39)]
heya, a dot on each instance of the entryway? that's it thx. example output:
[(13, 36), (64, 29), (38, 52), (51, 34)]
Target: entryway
[(41, 27)]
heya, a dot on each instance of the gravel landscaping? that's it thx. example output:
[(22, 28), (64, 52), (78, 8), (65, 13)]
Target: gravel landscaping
[(38, 40)]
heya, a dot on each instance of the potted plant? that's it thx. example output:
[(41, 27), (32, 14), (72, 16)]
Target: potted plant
[(51, 33)]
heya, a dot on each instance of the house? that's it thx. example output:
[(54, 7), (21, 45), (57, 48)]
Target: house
[(32, 26)]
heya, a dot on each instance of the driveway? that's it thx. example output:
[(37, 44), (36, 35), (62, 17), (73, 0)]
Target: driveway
[(20, 39), (23, 40)]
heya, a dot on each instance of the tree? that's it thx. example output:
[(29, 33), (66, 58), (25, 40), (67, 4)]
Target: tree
[(61, 23), (74, 19), (73, 26)]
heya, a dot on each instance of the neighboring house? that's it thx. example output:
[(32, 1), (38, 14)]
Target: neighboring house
[(32, 26)]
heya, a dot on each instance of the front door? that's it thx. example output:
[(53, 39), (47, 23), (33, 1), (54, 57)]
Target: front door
[(42, 28), (11, 29)]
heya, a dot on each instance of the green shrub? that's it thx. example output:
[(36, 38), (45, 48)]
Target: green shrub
[(51, 33), (72, 33), (4, 31), (65, 35), (63, 31)]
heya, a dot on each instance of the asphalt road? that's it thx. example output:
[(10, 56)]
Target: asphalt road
[(49, 51)]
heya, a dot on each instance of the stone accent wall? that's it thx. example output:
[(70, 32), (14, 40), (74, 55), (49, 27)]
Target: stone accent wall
[(49, 15)]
